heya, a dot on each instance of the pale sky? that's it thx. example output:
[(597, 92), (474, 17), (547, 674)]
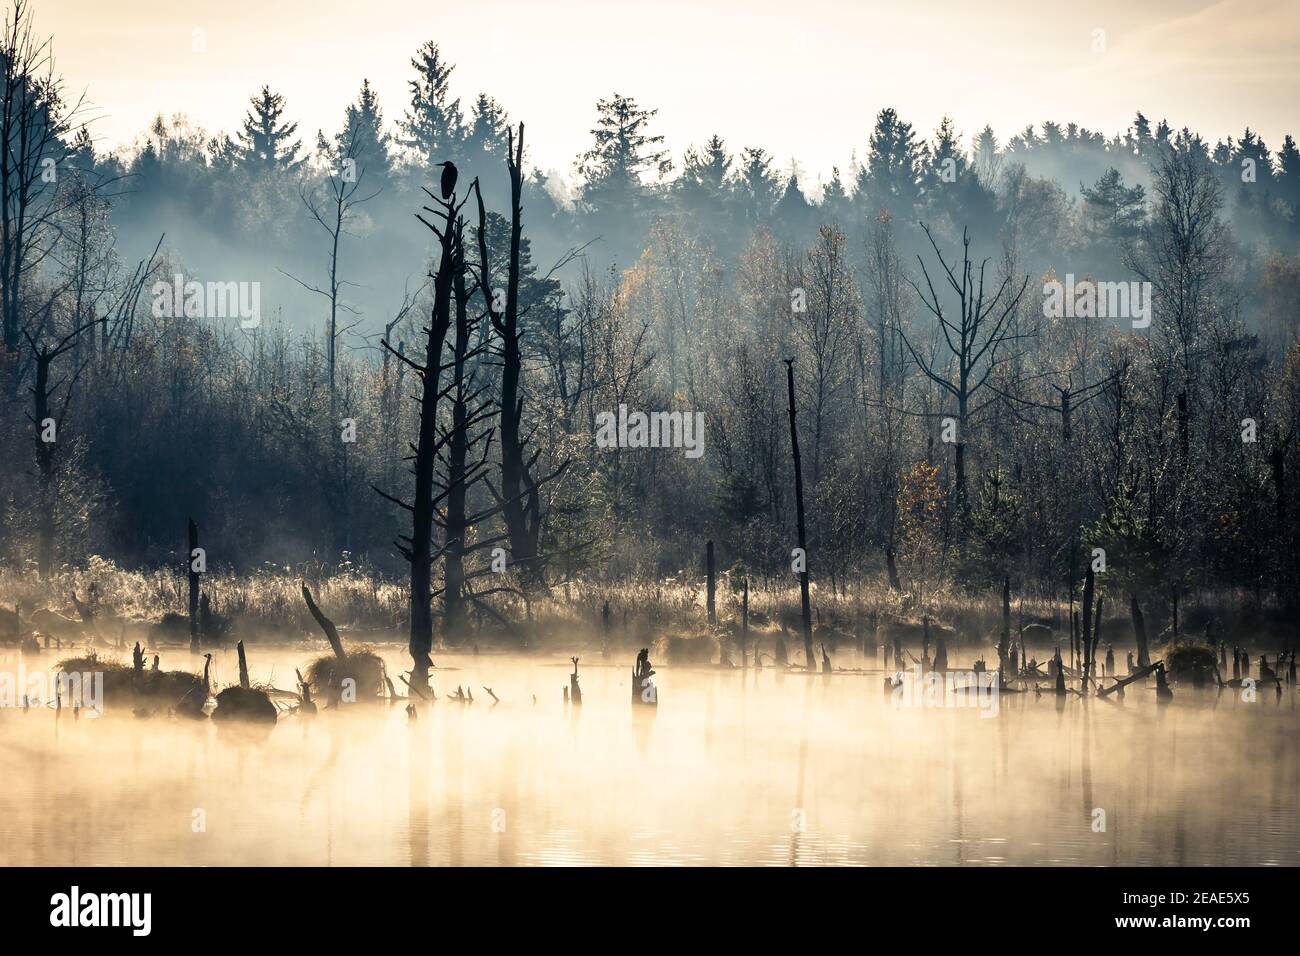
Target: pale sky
[(803, 79)]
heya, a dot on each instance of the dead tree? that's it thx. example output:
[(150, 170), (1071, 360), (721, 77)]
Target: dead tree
[(519, 495), (974, 337), (332, 209), (418, 546), (805, 604), (463, 449)]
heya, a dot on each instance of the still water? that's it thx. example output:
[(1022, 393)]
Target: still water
[(736, 769)]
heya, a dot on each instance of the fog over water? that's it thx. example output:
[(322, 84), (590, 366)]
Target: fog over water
[(719, 774)]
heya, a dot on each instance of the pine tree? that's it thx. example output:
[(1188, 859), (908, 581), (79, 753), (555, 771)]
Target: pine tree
[(948, 163), (707, 171), (793, 212), (434, 126), (1140, 142), (835, 204), (363, 138), (1288, 173), (622, 154), (1113, 212), (987, 159), (1251, 146), (757, 184), (892, 175), (265, 144), (487, 132)]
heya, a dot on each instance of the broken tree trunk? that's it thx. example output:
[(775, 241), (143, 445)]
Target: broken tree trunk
[(243, 665), (805, 604), (1140, 631), (326, 625)]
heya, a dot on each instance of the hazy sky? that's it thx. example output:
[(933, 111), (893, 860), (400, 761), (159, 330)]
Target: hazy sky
[(803, 79)]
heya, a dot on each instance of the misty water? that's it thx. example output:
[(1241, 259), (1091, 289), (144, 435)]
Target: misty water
[(731, 768)]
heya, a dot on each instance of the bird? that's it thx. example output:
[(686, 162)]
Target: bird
[(448, 182)]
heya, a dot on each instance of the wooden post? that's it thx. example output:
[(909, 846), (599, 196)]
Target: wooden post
[(713, 584), (194, 587), (243, 666), (806, 605)]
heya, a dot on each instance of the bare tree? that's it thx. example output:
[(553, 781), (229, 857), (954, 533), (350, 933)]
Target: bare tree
[(974, 337), (332, 205), (34, 117), (519, 495), (418, 547)]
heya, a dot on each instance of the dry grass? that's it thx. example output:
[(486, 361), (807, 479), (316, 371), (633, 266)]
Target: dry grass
[(364, 667), (121, 687), (268, 605)]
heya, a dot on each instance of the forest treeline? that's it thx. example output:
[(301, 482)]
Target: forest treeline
[(952, 433)]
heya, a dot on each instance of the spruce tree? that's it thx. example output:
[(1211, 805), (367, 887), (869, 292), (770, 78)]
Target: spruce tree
[(266, 142)]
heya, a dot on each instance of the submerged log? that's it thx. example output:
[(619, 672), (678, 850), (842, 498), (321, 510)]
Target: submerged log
[(1139, 674)]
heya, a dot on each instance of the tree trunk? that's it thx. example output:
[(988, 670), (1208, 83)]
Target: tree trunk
[(454, 529), (713, 585), (519, 500), (1004, 644), (891, 564), (805, 603), (420, 553), (1089, 583), (44, 467), (1140, 630)]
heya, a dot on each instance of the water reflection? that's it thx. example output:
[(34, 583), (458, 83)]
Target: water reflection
[(753, 767)]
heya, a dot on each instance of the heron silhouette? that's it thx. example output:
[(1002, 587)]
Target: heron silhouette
[(448, 182)]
